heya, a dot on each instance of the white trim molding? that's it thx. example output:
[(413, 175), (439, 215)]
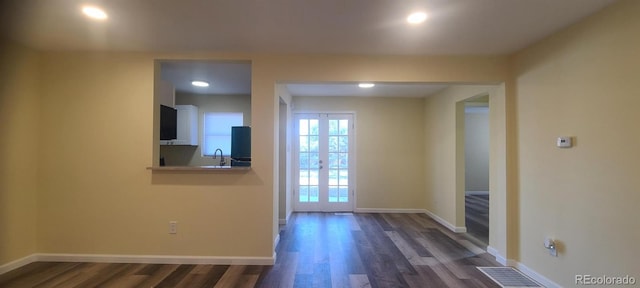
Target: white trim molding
[(499, 258), (156, 259), (276, 241), (18, 263), (467, 193), (445, 223), (546, 282), (388, 210), (146, 259), (523, 268), (285, 220)]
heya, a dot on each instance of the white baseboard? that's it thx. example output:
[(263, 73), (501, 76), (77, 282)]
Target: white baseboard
[(499, 258), (388, 210), (476, 193), (523, 268), (285, 220), (147, 259), (156, 259), (546, 282), (276, 241), (18, 263), (445, 223)]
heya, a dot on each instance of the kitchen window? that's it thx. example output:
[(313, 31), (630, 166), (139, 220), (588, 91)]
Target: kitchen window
[(217, 132)]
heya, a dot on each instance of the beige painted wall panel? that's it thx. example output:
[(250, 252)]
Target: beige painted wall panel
[(445, 189), (501, 214), (19, 144), (476, 151), (285, 206), (94, 194), (583, 83), (282, 171), (389, 147)]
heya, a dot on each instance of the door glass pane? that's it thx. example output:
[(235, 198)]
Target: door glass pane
[(304, 177), (304, 127), (333, 194), (343, 194), (313, 194), (333, 177), (344, 160), (333, 160), (333, 143), (304, 193), (333, 127), (344, 127), (314, 128), (314, 160), (314, 177), (344, 143), (314, 143), (344, 178), (304, 143), (304, 160)]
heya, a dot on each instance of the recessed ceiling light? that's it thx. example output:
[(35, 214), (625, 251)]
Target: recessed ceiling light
[(200, 83), (94, 12), (416, 18), (366, 85)]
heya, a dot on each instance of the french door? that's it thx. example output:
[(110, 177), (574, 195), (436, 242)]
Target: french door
[(324, 157)]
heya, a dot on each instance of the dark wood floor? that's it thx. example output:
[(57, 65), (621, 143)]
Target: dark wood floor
[(477, 217), (316, 250)]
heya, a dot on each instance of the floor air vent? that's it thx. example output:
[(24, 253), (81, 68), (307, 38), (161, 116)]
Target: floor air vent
[(508, 277), (343, 213)]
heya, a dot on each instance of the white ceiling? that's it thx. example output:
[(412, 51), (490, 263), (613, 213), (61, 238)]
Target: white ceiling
[(294, 26), (371, 27), (226, 78), (414, 90)]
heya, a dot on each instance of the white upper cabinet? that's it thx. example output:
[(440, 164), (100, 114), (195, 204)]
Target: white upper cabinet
[(187, 126), (165, 93)]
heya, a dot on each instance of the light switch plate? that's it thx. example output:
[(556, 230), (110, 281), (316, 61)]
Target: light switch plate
[(173, 227)]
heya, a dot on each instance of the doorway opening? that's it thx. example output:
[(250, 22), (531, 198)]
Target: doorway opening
[(476, 154)]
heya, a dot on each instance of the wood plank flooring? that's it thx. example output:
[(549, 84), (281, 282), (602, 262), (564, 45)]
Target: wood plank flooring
[(316, 250), (477, 217)]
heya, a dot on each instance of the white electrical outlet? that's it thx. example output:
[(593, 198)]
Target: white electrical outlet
[(564, 142), (173, 227)]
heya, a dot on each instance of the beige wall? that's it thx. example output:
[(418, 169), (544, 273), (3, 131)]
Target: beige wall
[(444, 158), (582, 82), (97, 197), (476, 146), (285, 207), (19, 113), (97, 114), (389, 147), (182, 155)]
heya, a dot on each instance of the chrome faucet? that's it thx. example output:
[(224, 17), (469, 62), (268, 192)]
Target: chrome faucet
[(222, 162)]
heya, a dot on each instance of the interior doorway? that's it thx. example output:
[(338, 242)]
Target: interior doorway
[(284, 186), (477, 147)]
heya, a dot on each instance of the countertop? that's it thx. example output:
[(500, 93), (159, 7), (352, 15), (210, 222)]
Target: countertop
[(199, 168)]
